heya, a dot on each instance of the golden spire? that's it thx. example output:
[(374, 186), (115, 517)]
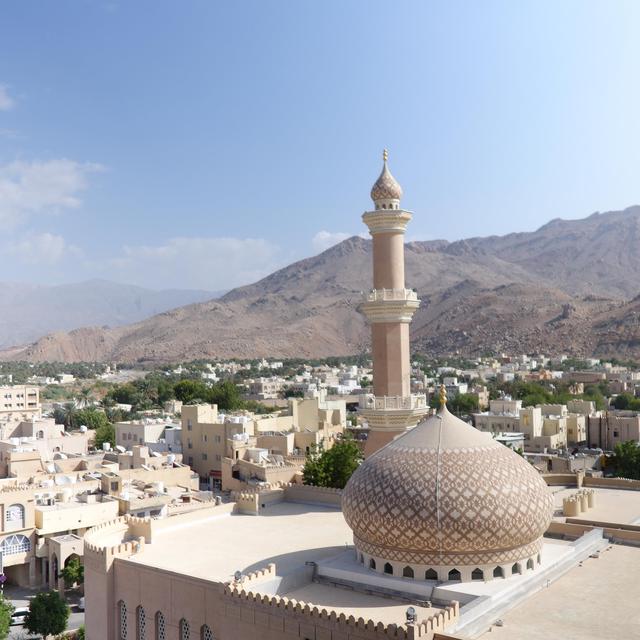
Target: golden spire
[(443, 396), (385, 155)]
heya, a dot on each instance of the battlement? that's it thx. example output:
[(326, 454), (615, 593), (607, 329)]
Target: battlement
[(365, 629)]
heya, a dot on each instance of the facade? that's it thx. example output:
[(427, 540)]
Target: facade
[(609, 428), (389, 307), (19, 403)]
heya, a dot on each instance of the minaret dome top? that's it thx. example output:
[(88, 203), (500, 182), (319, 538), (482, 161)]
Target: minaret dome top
[(386, 192)]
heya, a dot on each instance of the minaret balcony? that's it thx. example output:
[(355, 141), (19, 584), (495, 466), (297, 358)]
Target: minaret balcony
[(393, 403), (390, 305), (393, 413), (387, 220), (390, 294)]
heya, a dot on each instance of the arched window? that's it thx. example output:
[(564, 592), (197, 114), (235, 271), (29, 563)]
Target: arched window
[(529, 563), (454, 574), (498, 572), (515, 569), (185, 631), (430, 574), (141, 624), (40, 435), (539, 560), (122, 620), (14, 517), (372, 564), (205, 632), (15, 544), (388, 568), (477, 574), (161, 627), (407, 572)]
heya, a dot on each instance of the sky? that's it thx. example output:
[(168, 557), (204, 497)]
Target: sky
[(202, 144)]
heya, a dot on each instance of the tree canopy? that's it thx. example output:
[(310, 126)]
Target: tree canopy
[(48, 614), (627, 460), (73, 572), (6, 609), (332, 467)]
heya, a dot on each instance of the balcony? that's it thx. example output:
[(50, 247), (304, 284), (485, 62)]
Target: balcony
[(394, 403), (376, 295)]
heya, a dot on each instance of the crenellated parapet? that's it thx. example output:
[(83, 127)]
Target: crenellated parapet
[(297, 617)]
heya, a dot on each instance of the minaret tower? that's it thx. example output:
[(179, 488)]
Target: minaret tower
[(389, 307)]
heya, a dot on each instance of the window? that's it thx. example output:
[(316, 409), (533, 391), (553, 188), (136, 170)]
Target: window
[(372, 564), (388, 568), (204, 456), (15, 544), (141, 623), (615, 434), (204, 437), (498, 572), (190, 461), (515, 568), (430, 574), (185, 631), (407, 572), (122, 617), (218, 457), (205, 632), (161, 627), (14, 517), (477, 574), (189, 425), (218, 439), (454, 574), (529, 563)]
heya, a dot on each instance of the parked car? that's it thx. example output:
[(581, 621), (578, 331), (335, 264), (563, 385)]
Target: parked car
[(18, 615)]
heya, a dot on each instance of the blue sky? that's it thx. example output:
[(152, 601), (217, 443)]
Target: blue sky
[(202, 144)]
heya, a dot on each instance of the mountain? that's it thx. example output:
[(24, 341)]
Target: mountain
[(569, 287), (29, 311)]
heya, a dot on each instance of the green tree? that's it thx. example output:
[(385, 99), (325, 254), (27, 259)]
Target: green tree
[(627, 460), (6, 609), (463, 403), (48, 614), (80, 635), (91, 418), (73, 572), (332, 467), (105, 433)]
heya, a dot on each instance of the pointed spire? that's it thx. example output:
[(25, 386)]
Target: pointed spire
[(385, 155), (386, 192)]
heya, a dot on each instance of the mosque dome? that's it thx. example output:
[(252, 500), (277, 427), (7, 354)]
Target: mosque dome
[(445, 497), (386, 191)]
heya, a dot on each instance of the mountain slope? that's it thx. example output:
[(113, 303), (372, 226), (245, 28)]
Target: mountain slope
[(561, 288)]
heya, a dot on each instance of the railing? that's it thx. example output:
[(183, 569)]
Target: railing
[(390, 294), (413, 401)]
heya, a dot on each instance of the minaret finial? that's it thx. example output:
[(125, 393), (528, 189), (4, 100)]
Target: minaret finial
[(385, 155), (443, 396)]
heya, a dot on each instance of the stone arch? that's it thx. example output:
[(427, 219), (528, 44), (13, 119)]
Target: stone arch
[(430, 574), (141, 623), (454, 574), (185, 629), (530, 563), (161, 626), (498, 572), (122, 620), (477, 574), (407, 572), (372, 563), (515, 569), (388, 568)]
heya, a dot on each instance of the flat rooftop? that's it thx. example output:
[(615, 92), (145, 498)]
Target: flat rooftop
[(590, 602), (612, 505), (215, 547)]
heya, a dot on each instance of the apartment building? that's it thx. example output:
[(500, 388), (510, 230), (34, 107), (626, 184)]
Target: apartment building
[(19, 403)]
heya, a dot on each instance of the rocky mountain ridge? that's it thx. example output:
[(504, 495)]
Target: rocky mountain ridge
[(571, 287)]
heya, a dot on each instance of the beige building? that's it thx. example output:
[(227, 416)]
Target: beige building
[(19, 403), (608, 428)]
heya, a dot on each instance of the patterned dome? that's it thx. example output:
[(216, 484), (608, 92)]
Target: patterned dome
[(446, 494), (386, 186)]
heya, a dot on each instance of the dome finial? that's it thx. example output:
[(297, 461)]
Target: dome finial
[(385, 155), (443, 396), (386, 192)]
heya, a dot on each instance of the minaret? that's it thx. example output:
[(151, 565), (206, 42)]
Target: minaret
[(389, 307)]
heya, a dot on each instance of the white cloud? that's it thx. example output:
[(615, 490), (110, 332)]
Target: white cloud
[(31, 188), (204, 263), (41, 249), (325, 239), (6, 101)]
